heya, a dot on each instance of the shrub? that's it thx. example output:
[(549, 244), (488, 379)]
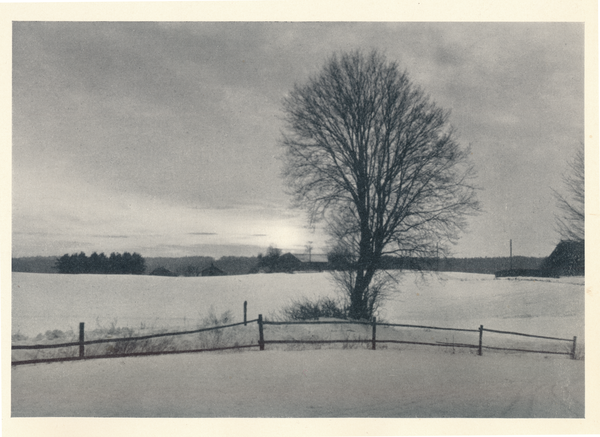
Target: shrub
[(218, 337), (17, 336), (306, 309), (51, 335), (160, 344)]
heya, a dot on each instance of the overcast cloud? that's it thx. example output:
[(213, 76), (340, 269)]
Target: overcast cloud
[(161, 138)]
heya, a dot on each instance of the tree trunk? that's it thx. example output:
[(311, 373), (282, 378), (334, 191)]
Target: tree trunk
[(357, 304), (359, 298)]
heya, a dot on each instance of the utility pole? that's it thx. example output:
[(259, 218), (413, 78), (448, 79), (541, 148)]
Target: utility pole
[(511, 265)]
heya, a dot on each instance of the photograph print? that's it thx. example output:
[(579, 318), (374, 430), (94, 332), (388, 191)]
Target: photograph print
[(297, 219)]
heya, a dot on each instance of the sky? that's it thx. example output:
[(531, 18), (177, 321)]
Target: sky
[(162, 138)]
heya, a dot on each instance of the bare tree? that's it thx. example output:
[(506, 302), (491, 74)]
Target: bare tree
[(368, 152), (571, 222)]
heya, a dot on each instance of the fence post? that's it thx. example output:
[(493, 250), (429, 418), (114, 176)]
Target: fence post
[(261, 337), (480, 338), (574, 346), (245, 311), (81, 340), (374, 340)]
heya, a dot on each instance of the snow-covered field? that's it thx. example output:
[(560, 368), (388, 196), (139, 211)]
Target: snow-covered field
[(310, 383), (42, 302), (417, 381)]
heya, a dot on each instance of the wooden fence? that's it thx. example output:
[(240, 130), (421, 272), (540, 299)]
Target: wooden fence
[(374, 340), (82, 343), (262, 342)]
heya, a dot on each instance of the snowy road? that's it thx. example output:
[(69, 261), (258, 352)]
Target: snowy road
[(309, 383)]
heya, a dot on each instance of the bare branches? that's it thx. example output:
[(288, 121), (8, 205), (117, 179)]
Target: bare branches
[(571, 223), (368, 152)]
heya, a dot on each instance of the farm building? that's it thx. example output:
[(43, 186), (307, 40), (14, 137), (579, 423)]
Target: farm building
[(162, 271), (567, 259), (288, 263), (315, 262), (212, 271)]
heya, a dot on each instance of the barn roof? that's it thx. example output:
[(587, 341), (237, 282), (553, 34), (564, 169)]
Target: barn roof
[(568, 258), (212, 270), (289, 258)]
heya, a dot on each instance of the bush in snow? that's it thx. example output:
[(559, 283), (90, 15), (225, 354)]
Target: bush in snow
[(306, 309)]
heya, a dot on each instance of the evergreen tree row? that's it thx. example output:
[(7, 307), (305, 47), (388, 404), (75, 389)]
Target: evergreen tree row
[(115, 264)]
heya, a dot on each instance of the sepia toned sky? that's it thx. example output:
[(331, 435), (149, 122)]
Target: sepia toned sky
[(161, 138)]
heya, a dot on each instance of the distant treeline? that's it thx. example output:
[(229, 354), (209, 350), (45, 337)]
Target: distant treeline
[(34, 264), (115, 264), (468, 265), (182, 266), (239, 265)]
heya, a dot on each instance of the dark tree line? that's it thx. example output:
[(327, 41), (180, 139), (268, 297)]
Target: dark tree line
[(487, 265), (115, 264), (336, 261)]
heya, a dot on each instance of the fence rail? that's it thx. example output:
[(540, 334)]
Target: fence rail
[(262, 342), (428, 327), (145, 337), (527, 335), (318, 322)]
